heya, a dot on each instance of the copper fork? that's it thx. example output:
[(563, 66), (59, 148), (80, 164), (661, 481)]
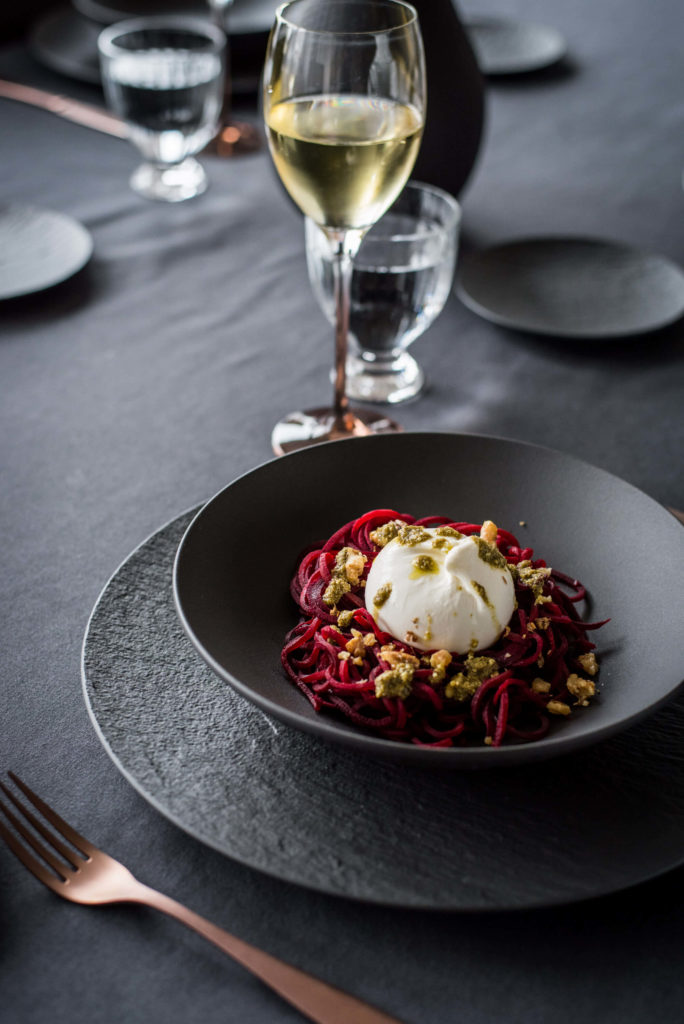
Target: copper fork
[(84, 874)]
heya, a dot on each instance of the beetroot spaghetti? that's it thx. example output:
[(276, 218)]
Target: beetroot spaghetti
[(542, 666)]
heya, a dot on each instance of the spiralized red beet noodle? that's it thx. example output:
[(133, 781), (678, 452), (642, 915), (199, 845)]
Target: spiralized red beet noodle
[(504, 708)]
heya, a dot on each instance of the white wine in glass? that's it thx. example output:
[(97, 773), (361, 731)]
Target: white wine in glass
[(344, 106)]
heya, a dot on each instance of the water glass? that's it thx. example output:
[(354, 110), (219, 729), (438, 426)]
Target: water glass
[(402, 277), (165, 77)]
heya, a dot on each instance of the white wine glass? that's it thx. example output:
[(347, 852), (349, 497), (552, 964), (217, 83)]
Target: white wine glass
[(344, 106)]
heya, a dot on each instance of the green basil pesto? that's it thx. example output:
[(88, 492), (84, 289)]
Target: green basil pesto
[(336, 590), (465, 684), (448, 531), (422, 565), (534, 579), (479, 589), (384, 534), (409, 536), (382, 595), (490, 554), (396, 682)]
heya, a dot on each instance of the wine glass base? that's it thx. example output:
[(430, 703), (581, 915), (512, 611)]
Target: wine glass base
[(302, 429), (171, 184), (390, 382), (236, 138)]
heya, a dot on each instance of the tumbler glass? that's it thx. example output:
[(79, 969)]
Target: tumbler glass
[(402, 277), (164, 76)]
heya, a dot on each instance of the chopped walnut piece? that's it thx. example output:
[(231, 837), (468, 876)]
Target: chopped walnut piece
[(384, 534), (589, 663), (540, 686), (439, 661), (355, 646), (489, 740), (395, 658), (558, 707), (335, 591), (488, 531), (344, 655), (583, 689), (369, 639), (354, 566)]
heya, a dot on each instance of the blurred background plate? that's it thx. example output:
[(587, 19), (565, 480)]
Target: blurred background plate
[(572, 287), (243, 16), (65, 40), (505, 47), (38, 249), (67, 43)]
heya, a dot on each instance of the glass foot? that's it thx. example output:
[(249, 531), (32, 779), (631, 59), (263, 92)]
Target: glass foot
[(170, 184), (237, 138), (301, 429), (375, 381)]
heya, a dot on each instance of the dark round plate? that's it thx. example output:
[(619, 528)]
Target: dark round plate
[(580, 288), (38, 249), (243, 17), (505, 47), (235, 563), (66, 42), (329, 818)]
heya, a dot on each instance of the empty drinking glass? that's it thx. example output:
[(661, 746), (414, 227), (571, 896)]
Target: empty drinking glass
[(402, 277), (164, 76)]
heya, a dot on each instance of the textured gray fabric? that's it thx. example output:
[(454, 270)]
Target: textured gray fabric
[(142, 386)]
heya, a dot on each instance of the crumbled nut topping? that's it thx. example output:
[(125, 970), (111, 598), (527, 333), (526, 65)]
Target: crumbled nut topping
[(344, 618), (394, 658), (540, 686), (384, 534), (558, 707), (488, 531), (347, 571), (580, 688), (589, 663), (439, 661), (355, 646)]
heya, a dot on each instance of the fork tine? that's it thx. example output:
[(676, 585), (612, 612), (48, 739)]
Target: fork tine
[(43, 851), (29, 861), (66, 830), (69, 856)]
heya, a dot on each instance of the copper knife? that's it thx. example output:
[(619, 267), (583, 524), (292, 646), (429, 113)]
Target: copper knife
[(63, 106)]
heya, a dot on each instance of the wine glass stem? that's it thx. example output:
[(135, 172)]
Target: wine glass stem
[(342, 272), (345, 245)]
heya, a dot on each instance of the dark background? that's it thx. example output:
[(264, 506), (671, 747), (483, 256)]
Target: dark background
[(142, 386)]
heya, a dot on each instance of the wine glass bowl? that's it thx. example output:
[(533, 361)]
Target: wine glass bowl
[(402, 277), (344, 108), (164, 76)]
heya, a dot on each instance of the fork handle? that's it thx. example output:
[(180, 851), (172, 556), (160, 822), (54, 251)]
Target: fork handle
[(314, 998)]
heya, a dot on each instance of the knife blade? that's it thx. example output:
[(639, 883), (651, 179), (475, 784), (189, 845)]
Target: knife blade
[(72, 110)]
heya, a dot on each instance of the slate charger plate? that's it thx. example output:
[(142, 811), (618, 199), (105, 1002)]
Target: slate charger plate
[(336, 820)]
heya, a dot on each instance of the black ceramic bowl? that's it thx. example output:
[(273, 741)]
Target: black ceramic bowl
[(235, 562)]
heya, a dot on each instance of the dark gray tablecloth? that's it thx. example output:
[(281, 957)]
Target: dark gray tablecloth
[(141, 387)]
